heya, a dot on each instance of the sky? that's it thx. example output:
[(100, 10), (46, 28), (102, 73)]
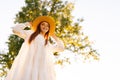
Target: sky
[(101, 24)]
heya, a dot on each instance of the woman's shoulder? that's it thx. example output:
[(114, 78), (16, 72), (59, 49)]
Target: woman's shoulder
[(28, 33)]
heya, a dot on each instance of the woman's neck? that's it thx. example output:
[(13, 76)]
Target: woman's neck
[(42, 33)]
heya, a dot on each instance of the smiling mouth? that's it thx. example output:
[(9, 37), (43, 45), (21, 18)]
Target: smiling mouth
[(44, 29)]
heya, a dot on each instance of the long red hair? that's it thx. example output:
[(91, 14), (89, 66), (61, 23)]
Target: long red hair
[(38, 30)]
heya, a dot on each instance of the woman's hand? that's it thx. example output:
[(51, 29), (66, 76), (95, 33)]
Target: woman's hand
[(28, 24), (54, 37)]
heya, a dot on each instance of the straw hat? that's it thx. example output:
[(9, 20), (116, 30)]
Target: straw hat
[(48, 19)]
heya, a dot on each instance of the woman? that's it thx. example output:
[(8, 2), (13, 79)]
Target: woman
[(34, 60)]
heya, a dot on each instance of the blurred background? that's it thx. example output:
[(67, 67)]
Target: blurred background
[(97, 22)]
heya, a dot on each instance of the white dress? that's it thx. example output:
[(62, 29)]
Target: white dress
[(34, 61)]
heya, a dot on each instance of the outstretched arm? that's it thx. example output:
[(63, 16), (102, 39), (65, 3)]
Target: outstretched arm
[(19, 29)]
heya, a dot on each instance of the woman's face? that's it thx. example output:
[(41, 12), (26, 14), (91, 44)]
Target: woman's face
[(44, 27)]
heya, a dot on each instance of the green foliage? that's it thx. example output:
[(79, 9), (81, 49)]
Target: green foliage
[(66, 29), (6, 60), (3, 67)]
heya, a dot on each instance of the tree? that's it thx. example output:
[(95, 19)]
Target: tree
[(69, 31)]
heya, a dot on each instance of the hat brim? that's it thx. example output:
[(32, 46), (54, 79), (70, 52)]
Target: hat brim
[(48, 19)]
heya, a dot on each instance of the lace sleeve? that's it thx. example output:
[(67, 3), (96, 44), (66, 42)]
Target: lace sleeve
[(57, 47), (19, 30)]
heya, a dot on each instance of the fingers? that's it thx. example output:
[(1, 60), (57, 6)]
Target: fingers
[(28, 24)]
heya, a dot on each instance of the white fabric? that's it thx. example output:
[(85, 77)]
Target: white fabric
[(34, 61)]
